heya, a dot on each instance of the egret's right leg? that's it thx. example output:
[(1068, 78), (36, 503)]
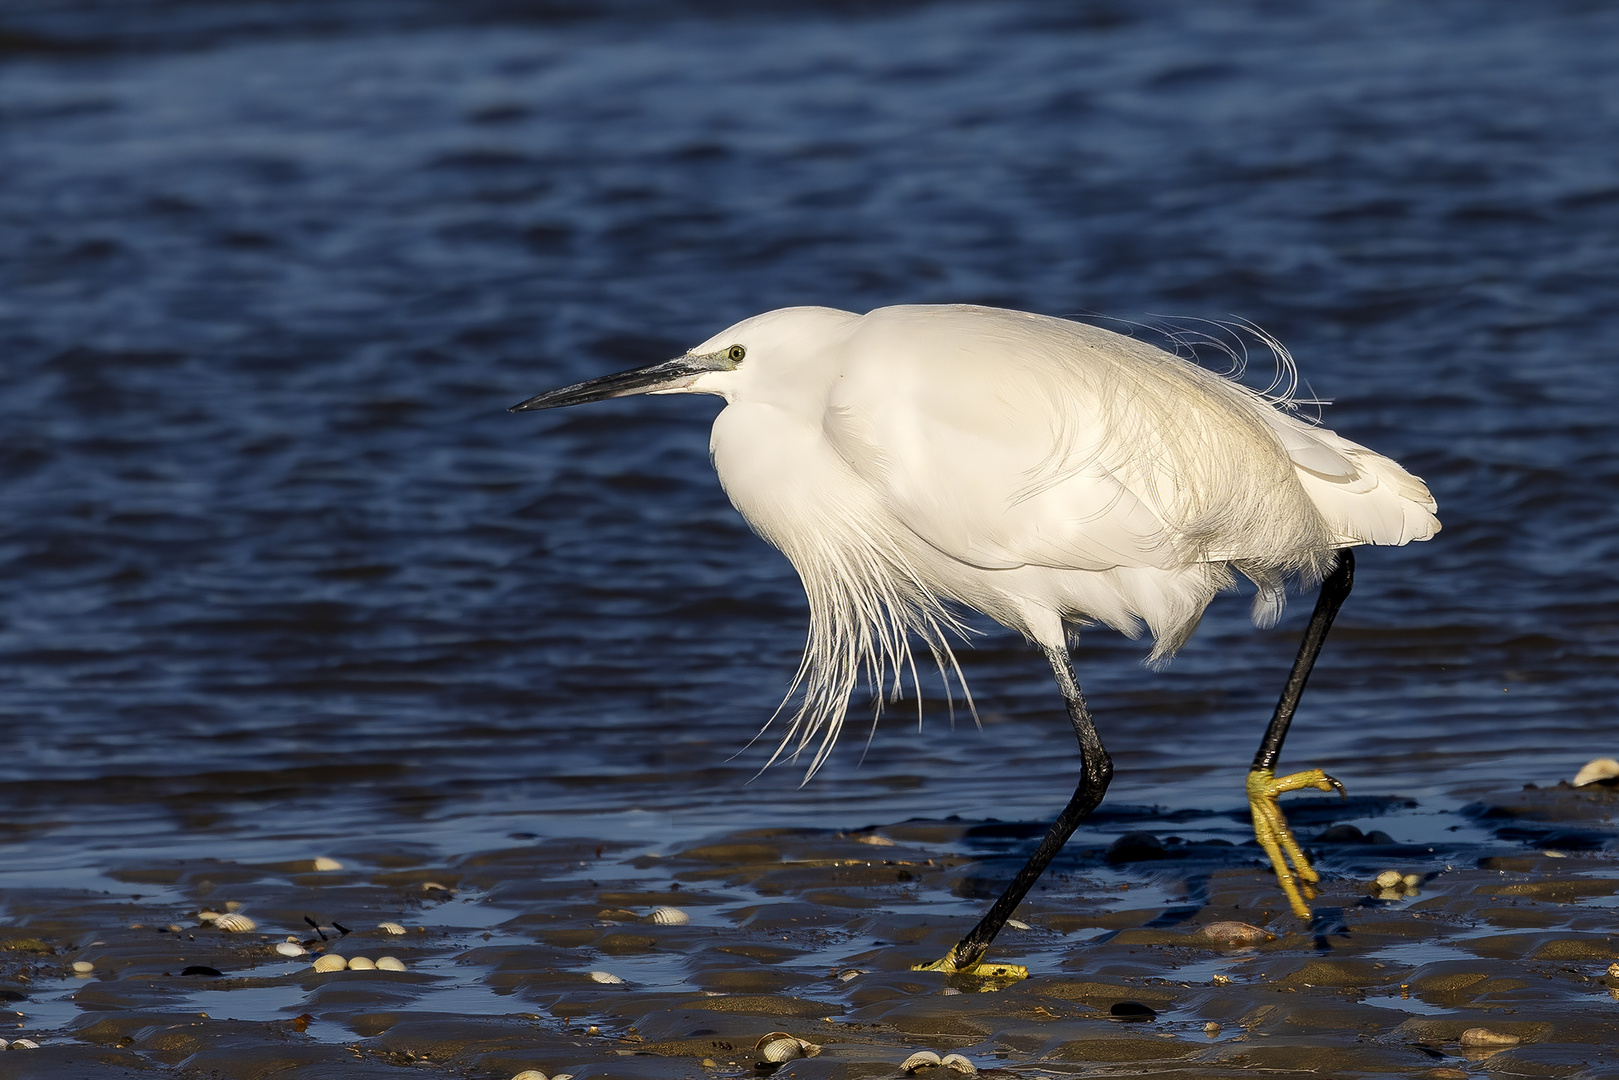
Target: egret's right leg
[(1096, 770)]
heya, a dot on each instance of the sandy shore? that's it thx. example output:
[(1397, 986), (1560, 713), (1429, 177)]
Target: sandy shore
[(1139, 963)]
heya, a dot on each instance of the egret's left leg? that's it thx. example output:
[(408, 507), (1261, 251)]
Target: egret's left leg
[(1298, 881), (1096, 770)]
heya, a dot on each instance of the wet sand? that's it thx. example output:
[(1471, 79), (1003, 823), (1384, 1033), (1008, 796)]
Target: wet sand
[(1136, 965)]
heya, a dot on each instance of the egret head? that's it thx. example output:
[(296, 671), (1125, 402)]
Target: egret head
[(764, 348)]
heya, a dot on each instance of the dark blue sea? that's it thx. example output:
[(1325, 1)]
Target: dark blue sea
[(279, 573)]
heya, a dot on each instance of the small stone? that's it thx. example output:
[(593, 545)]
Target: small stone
[(83, 967), (1221, 980), (1136, 847), (323, 863), (1237, 933), (390, 963), (1485, 1037), (1131, 1011), (1389, 879), (330, 962), (1613, 970), (1411, 881)]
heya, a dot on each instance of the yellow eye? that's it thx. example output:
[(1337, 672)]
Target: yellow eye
[(735, 354)]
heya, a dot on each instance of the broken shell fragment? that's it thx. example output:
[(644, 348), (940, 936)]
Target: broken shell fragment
[(390, 928), (668, 916), (1485, 1037), (235, 924), (330, 962), (606, 977), (361, 963), (390, 963), (323, 863), (922, 1059), (1018, 924)]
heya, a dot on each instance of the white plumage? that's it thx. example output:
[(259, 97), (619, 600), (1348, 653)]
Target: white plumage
[(1041, 471)]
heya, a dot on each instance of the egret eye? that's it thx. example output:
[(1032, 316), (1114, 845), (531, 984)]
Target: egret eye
[(735, 354)]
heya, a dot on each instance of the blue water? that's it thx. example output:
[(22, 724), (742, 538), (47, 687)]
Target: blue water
[(277, 570)]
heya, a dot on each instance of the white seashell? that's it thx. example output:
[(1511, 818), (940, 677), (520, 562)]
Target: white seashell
[(361, 963), (1018, 924), (1389, 879), (1485, 1037), (330, 962), (290, 948), (530, 1074), (3, 1044), (785, 1049), (235, 924), (1603, 768), (958, 1063), (950, 991), (390, 963), (606, 977), (920, 1060), (323, 863), (83, 967), (24, 1044), (668, 916), (390, 928)]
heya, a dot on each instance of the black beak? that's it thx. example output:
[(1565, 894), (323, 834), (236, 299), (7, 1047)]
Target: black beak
[(676, 374)]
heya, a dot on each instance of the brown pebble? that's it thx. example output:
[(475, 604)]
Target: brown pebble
[(1237, 933)]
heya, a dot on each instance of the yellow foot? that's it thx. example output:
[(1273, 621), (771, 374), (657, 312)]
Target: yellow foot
[(994, 976), (1270, 828)]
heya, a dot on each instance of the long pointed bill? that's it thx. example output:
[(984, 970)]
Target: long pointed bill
[(676, 374)]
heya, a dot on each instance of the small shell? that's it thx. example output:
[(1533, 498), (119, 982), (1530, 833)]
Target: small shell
[(852, 973), (606, 977), (235, 924), (530, 1074), (1411, 881), (874, 840), (323, 863), (563, 1076), (1603, 768), (330, 962), (290, 948), (922, 1059), (206, 915), (1211, 1029), (1486, 1037), (24, 1044), (1236, 933), (1389, 879), (361, 963), (1018, 924), (668, 916), (958, 1063), (390, 963), (950, 991), (390, 928), (3, 1044), (783, 1049), (83, 967)]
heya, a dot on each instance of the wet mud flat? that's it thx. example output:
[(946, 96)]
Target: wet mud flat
[(1162, 952)]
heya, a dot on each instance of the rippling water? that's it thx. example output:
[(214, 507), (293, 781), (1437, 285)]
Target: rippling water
[(277, 567)]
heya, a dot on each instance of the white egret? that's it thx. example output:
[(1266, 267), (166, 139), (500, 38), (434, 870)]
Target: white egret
[(1043, 472)]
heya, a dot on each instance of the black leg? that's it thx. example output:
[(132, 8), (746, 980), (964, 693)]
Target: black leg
[(1334, 589), (1096, 770)]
